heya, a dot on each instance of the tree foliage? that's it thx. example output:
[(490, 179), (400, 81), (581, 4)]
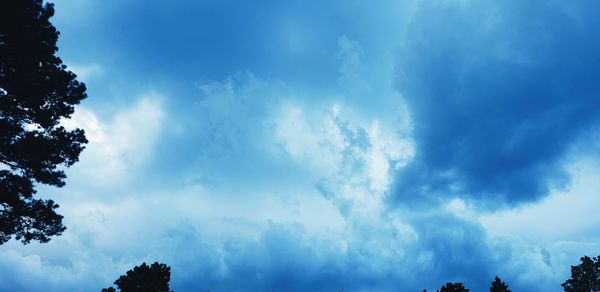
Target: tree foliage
[(453, 287), (499, 286), (144, 278), (36, 92), (585, 276)]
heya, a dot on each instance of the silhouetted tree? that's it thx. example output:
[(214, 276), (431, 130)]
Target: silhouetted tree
[(453, 287), (36, 92), (499, 286), (144, 278), (585, 276)]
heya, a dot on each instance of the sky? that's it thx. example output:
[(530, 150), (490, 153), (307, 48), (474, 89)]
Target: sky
[(320, 145)]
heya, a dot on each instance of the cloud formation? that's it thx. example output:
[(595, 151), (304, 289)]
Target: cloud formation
[(354, 148), (118, 146), (498, 93)]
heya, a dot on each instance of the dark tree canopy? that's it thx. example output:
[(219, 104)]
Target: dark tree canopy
[(585, 276), (36, 92), (499, 286), (453, 287), (144, 278)]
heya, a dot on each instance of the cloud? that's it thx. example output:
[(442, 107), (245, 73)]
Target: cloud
[(352, 162), (532, 221), (86, 72), (238, 224), (304, 172), (351, 68), (551, 235), (118, 146), (365, 258), (498, 92)]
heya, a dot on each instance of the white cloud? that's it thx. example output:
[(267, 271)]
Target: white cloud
[(87, 72), (563, 214), (547, 237), (119, 145), (353, 162)]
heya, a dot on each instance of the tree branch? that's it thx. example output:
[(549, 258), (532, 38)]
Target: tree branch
[(11, 164)]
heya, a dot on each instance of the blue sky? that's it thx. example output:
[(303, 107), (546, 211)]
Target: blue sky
[(318, 145)]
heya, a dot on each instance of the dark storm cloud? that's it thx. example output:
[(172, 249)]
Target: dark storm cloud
[(287, 258), (498, 91)]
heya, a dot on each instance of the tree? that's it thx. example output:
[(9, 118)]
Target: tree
[(144, 278), (585, 276), (36, 93), (453, 287), (499, 286)]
